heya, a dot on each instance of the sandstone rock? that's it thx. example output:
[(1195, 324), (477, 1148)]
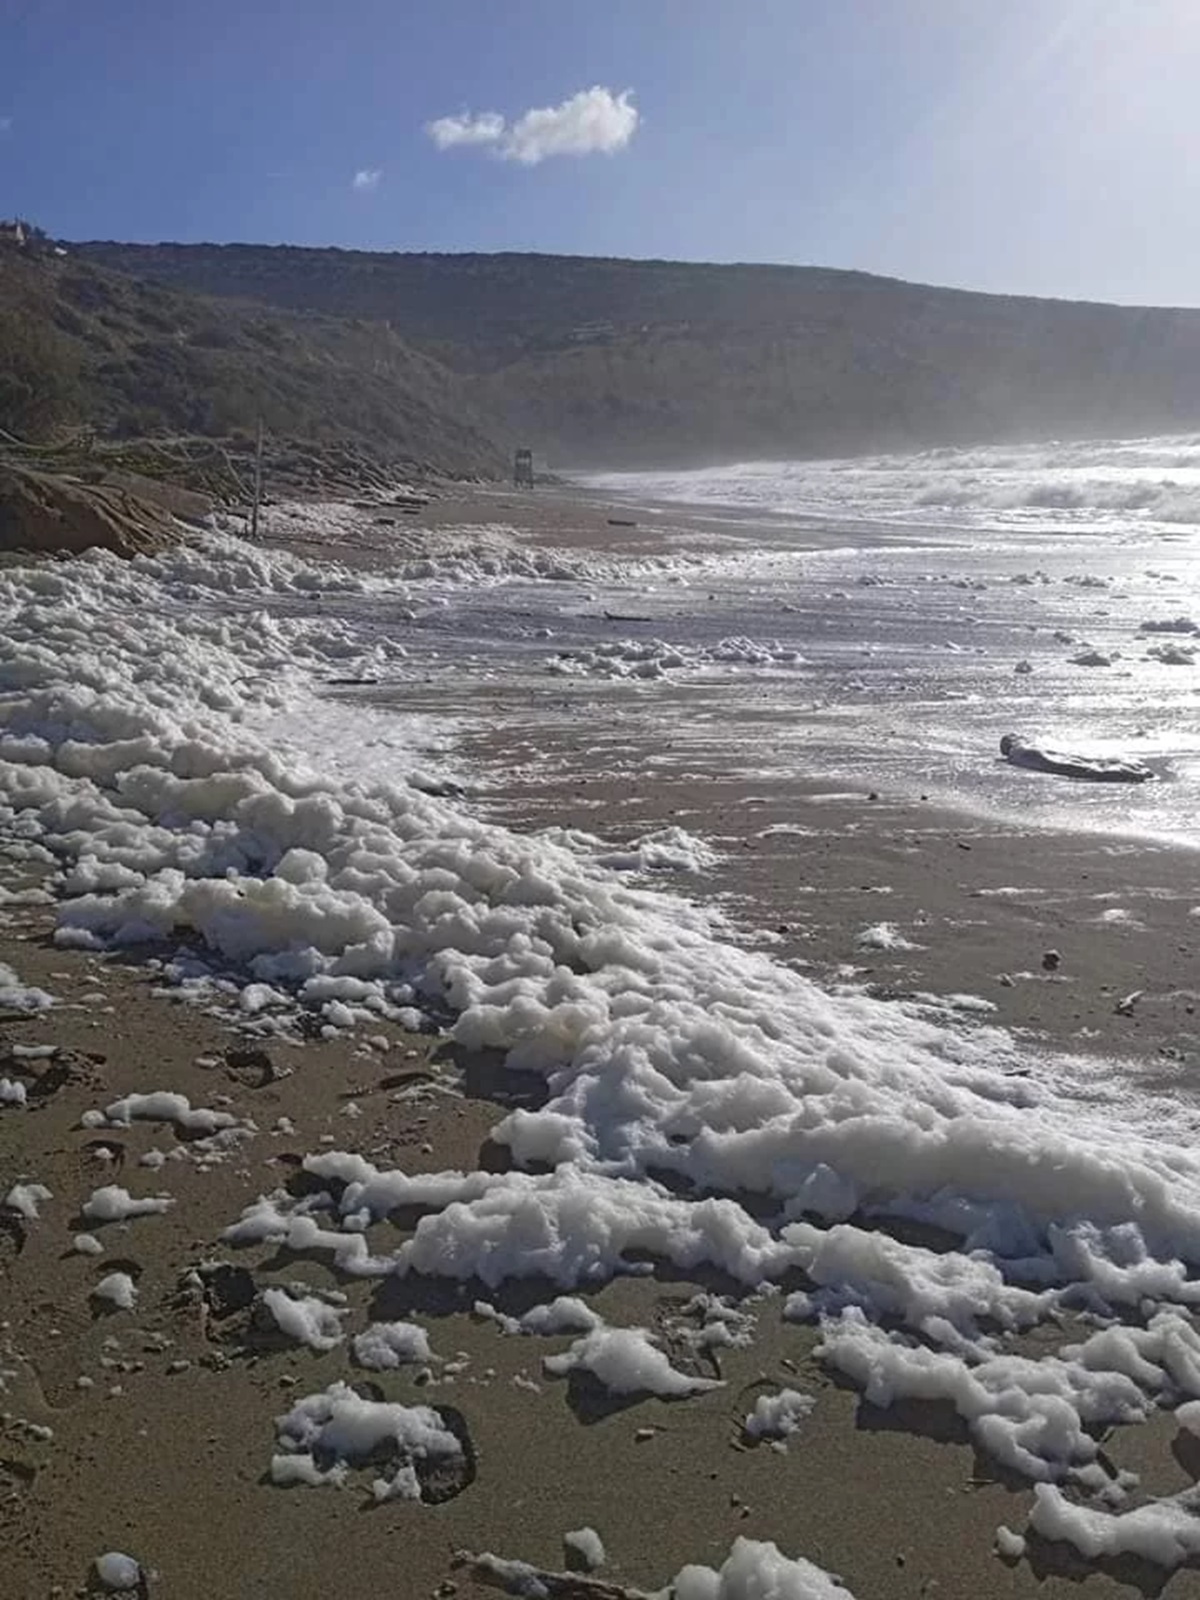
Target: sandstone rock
[(47, 513)]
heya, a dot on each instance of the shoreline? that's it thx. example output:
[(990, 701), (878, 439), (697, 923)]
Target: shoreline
[(825, 862), (898, 1501), (805, 873)]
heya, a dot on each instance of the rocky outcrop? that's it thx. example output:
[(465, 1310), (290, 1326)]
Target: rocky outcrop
[(45, 513)]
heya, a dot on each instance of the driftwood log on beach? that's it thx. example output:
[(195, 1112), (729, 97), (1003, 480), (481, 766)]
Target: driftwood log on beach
[(540, 1583)]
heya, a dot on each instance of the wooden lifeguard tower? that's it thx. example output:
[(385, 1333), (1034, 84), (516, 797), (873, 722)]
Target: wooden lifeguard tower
[(523, 469)]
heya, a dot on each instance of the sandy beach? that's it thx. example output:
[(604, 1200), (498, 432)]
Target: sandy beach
[(150, 1429)]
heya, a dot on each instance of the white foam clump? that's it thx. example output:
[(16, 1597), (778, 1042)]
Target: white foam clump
[(118, 1288), (573, 1227), (391, 1344), (587, 1545), (18, 996), (1036, 1417), (12, 1092), (625, 658), (324, 1435), (112, 1203), (777, 1416), (755, 653), (26, 1199), (941, 1295), (884, 936), (1009, 1545), (722, 1324), (564, 1314), (161, 1105), (273, 1220), (626, 1362), (1166, 1532), (756, 1569), (569, 1226), (671, 849), (305, 1319), (655, 658), (116, 1571)]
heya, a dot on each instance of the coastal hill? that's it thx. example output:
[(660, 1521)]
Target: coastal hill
[(611, 362), (131, 357)]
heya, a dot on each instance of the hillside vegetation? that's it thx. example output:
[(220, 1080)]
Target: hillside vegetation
[(82, 344), (612, 362)]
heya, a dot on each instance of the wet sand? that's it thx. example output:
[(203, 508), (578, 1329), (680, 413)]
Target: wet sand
[(168, 1462), (553, 516), (984, 908)]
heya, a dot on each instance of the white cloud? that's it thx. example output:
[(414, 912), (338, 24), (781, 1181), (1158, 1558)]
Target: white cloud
[(446, 132), (5, 124), (594, 121), (366, 179)]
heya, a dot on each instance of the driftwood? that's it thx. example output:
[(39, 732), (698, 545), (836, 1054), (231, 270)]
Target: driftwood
[(539, 1583)]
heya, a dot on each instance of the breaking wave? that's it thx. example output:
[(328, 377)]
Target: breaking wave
[(1144, 481)]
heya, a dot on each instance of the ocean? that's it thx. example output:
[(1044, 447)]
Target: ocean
[(878, 623), (943, 599)]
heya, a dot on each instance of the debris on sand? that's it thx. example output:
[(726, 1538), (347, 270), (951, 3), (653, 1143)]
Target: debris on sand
[(1066, 764)]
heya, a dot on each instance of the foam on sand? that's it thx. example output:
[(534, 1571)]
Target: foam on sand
[(1165, 1532), (304, 1318), (327, 1434), (626, 1362), (564, 1314), (163, 1106), (777, 1416), (112, 1203), (163, 736), (585, 1547), (756, 1567), (18, 996), (385, 1345), (655, 658), (26, 1199), (119, 1289)]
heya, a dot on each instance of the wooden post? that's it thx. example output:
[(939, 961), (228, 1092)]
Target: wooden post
[(258, 454)]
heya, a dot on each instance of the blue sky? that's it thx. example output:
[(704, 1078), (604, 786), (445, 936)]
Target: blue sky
[(1033, 146)]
